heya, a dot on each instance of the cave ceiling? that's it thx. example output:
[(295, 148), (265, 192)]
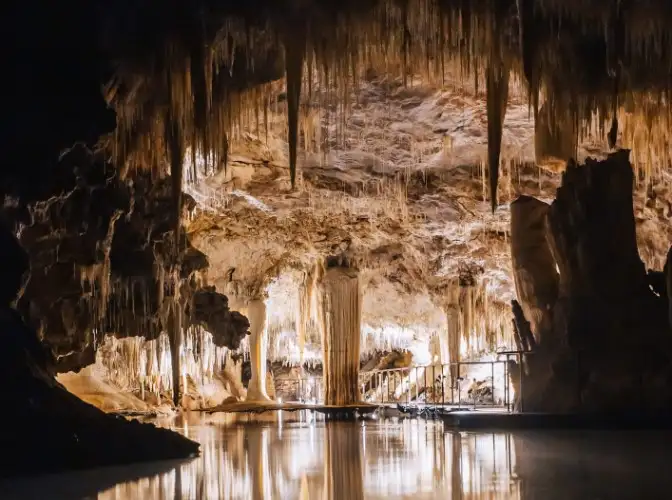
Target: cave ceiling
[(368, 129)]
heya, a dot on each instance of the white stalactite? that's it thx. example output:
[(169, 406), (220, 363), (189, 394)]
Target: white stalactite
[(256, 313), (340, 299)]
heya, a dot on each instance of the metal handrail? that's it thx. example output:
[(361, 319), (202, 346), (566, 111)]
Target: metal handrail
[(432, 384)]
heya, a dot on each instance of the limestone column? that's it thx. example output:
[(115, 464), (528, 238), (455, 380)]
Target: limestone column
[(339, 309), (256, 313)]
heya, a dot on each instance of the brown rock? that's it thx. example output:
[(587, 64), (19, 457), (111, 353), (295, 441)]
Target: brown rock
[(534, 271)]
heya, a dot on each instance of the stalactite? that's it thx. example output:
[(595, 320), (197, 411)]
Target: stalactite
[(497, 96), (339, 308), (305, 311), (145, 367), (176, 345), (475, 325), (295, 49)]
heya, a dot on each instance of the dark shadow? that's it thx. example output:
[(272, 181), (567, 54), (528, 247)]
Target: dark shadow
[(593, 464), (85, 484)]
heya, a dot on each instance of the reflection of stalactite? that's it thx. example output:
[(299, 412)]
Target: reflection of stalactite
[(257, 456), (456, 461), (340, 316), (343, 463)]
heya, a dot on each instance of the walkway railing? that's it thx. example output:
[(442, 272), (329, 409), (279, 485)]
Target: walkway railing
[(480, 384), (476, 383)]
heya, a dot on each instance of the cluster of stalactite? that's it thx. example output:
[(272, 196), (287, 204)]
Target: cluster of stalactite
[(204, 81), (103, 262), (476, 324), (145, 366)]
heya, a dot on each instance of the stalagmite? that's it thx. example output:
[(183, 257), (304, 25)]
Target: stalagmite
[(339, 309), (256, 313), (591, 237), (534, 273)]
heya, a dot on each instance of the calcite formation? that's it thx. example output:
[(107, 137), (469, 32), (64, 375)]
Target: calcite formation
[(339, 310)]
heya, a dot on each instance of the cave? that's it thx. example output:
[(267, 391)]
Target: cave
[(244, 208)]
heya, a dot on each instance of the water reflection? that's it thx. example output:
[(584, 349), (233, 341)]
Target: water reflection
[(304, 459)]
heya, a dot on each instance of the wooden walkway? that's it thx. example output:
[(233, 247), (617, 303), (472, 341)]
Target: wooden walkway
[(245, 407)]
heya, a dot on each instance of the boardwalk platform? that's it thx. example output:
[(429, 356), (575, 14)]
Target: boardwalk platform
[(483, 420), (245, 407)]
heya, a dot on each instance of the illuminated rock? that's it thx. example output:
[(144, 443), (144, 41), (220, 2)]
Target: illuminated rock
[(534, 273)]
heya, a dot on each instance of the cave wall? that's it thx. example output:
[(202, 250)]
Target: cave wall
[(609, 344), (103, 261)]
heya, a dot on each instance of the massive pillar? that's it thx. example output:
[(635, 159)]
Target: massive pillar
[(534, 272), (339, 299), (256, 313)]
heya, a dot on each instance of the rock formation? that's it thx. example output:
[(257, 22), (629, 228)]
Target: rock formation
[(45, 428), (534, 273), (608, 346), (103, 262)]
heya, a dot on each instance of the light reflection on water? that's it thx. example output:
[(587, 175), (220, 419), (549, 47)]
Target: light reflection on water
[(304, 459), (314, 460)]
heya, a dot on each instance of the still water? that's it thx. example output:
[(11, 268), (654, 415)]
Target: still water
[(307, 459)]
